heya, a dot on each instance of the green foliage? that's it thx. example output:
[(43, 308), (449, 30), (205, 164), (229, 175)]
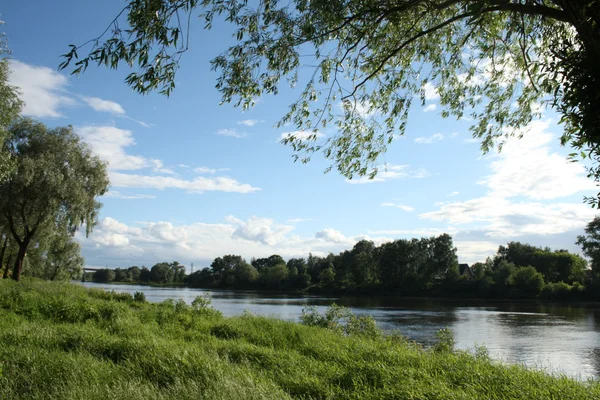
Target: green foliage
[(493, 61), (445, 341), (139, 297), (590, 244), (555, 266), (527, 281), (57, 180), (340, 319)]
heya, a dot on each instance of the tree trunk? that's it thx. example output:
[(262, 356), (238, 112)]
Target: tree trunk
[(7, 268), (20, 259), (3, 251)]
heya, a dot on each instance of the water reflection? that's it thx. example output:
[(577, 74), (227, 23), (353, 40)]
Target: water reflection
[(555, 337)]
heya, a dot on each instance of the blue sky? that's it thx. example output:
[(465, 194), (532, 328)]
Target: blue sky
[(192, 180)]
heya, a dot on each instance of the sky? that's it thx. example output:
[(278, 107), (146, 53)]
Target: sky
[(192, 180)]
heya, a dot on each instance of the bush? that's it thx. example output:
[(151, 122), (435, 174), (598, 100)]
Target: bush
[(139, 297), (445, 341), (340, 319)]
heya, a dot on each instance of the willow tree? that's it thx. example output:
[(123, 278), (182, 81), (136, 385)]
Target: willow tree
[(493, 61), (54, 185), (10, 104)]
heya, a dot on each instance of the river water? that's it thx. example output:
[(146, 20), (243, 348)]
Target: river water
[(557, 338)]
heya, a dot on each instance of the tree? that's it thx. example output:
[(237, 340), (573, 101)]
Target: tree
[(491, 60), (161, 273), (54, 186), (10, 106), (134, 273), (590, 243), (63, 258), (245, 275), (555, 266), (527, 281), (223, 269), (104, 275)]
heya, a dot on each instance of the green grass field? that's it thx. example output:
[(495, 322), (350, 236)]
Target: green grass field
[(61, 341)]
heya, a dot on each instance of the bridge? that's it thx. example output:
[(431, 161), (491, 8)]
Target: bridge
[(87, 269)]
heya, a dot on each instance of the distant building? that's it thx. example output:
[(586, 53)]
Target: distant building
[(465, 270)]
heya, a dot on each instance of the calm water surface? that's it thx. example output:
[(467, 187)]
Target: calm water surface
[(555, 337)]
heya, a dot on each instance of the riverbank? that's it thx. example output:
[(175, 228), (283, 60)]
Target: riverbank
[(61, 341)]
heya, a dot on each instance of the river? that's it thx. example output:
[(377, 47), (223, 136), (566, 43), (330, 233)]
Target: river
[(558, 338)]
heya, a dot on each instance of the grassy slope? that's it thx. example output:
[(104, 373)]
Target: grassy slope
[(59, 341)]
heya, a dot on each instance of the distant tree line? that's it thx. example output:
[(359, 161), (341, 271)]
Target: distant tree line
[(405, 267), (163, 272), (426, 266)]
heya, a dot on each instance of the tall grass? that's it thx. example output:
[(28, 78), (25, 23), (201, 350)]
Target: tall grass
[(60, 341)]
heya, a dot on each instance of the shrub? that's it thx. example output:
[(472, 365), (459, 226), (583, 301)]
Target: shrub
[(139, 297)]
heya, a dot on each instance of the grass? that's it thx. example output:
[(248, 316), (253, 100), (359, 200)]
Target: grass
[(61, 341)]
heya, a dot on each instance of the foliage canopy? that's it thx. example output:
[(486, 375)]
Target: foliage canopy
[(495, 61)]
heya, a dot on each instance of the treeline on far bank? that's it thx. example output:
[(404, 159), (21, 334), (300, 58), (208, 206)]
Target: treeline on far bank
[(415, 267)]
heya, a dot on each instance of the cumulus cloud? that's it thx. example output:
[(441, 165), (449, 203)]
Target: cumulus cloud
[(334, 236), (429, 139), (527, 167), (390, 172), (232, 133), (429, 107), (524, 184), (102, 105), (114, 243), (109, 143), (42, 89), (263, 230), (430, 91)]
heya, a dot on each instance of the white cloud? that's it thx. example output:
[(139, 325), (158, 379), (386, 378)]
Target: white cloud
[(527, 167), (116, 244), (159, 167), (429, 107), (263, 230), (199, 184), (109, 143), (391, 172), (430, 91), (455, 193), (42, 89), (249, 122), (502, 218), (102, 105), (400, 206), (429, 139), (205, 170), (232, 133), (300, 135), (334, 236)]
